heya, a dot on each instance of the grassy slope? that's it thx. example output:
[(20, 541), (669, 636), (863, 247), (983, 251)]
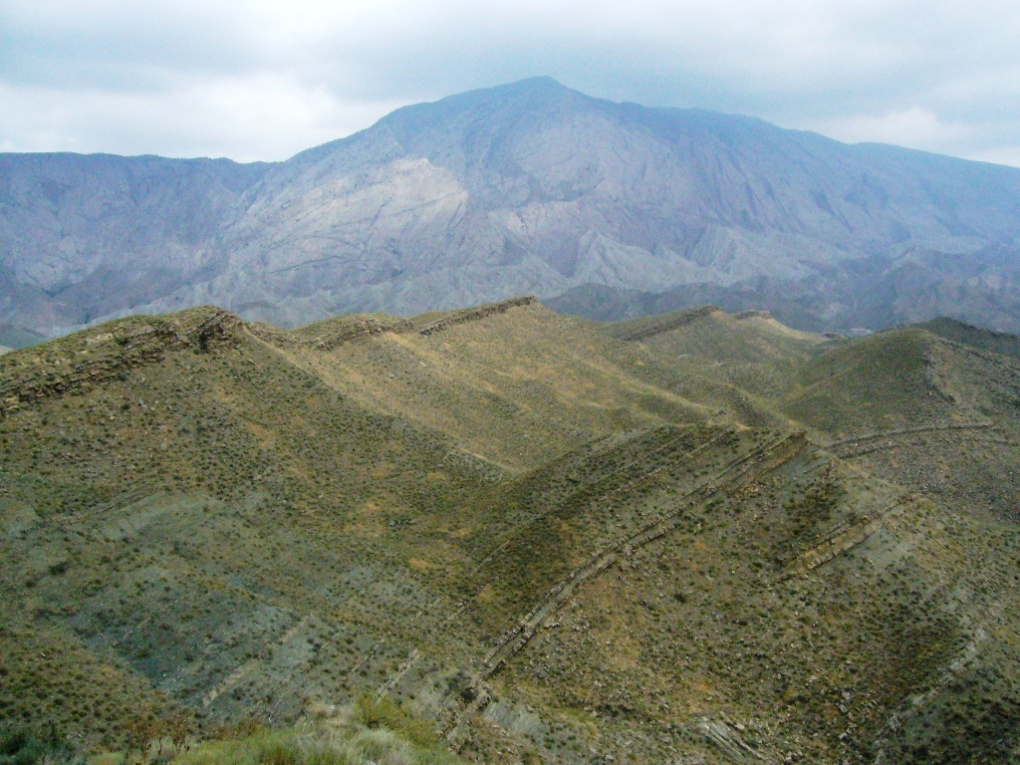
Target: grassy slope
[(703, 626), (880, 383), (739, 365), (517, 390), (933, 415), (240, 493), (246, 521), (976, 337), (937, 416), (243, 484)]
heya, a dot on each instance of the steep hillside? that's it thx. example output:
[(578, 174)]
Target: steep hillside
[(528, 187), (751, 350), (736, 364), (514, 535), (936, 416), (194, 461), (517, 392)]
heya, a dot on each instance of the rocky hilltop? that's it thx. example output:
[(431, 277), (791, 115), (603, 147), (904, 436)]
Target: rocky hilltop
[(603, 209)]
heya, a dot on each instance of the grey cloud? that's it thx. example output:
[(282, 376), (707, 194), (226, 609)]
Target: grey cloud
[(835, 66), (143, 48)]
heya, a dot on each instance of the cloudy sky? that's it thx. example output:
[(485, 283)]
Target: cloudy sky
[(263, 79)]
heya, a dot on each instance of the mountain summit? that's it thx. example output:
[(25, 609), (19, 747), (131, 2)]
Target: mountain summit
[(600, 208)]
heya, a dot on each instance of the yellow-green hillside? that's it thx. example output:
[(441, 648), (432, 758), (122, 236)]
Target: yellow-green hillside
[(697, 538)]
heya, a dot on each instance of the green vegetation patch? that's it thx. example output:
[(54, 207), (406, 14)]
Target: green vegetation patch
[(204, 521), (373, 731), (19, 745)]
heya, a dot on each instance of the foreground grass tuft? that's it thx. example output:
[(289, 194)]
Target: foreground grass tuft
[(20, 746), (366, 737)]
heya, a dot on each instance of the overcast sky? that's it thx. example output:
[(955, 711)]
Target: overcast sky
[(264, 79)]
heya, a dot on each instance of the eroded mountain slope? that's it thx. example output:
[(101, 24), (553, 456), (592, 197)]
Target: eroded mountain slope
[(696, 538), (526, 187)]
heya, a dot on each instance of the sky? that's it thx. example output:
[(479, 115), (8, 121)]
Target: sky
[(264, 79)]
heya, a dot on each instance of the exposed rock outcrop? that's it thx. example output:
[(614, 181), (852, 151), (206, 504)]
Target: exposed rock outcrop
[(81, 363)]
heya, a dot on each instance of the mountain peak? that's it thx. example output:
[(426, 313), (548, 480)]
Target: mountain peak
[(528, 95), (543, 82), (525, 187), (542, 86)]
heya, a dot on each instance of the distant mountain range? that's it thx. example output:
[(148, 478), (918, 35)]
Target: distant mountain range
[(601, 209)]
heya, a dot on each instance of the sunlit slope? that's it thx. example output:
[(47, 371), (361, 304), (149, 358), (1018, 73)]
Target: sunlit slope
[(812, 610), (880, 382), (904, 378), (518, 387), (752, 350), (740, 365), (197, 513), (739, 588), (196, 402), (242, 519)]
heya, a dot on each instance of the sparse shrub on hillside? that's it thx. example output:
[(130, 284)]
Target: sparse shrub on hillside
[(814, 508), (247, 534)]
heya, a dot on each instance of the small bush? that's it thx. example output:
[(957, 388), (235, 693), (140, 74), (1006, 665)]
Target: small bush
[(384, 712), (19, 746), (330, 744)]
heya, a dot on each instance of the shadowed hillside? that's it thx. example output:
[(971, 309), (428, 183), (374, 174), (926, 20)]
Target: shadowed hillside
[(977, 337)]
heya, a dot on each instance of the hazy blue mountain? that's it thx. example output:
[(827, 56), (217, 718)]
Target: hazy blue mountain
[(530, 187)]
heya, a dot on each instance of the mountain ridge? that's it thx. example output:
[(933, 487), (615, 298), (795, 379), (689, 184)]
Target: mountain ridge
[(524, 188)]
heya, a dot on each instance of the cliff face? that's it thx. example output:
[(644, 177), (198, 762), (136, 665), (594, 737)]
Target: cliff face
[(529, 187)]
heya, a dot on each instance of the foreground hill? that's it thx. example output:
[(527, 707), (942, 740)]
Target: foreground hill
[(693, 537), (608, 210)]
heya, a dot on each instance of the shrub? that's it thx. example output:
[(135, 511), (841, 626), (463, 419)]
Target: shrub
[(330, 743), (19, 746), (384, 712)]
